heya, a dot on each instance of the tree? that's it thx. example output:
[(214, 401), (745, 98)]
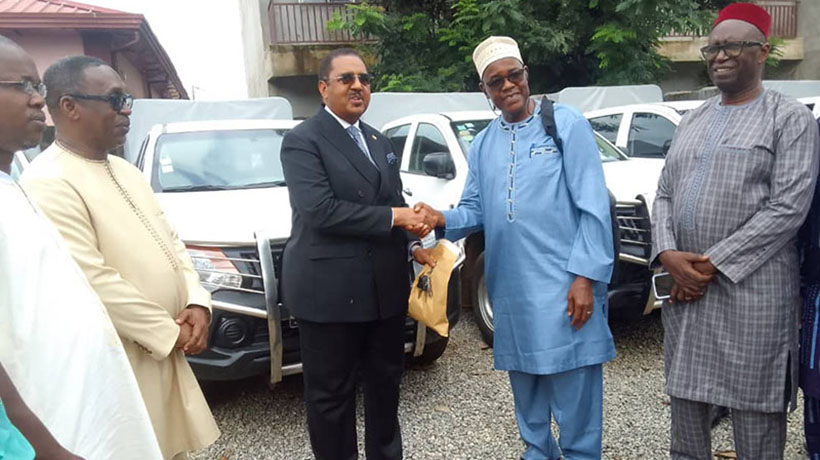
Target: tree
[(427, 45)]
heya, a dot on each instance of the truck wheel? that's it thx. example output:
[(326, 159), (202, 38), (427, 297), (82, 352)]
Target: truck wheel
[(434, 346), (482, 308)]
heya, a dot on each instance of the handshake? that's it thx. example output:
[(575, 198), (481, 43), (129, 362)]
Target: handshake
[(421, 219)]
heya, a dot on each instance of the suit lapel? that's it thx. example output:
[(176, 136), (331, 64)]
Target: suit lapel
[(341, 141), (378, 156)]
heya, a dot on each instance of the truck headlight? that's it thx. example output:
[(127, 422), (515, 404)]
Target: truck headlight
[(215, 270)]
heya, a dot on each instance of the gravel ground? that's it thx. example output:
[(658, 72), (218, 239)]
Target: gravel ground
[(460, 408)]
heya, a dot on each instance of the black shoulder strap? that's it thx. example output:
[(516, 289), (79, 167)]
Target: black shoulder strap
[(548, 120)]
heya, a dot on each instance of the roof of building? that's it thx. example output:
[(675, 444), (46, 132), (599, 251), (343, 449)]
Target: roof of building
[(50, 6), (131, 34)]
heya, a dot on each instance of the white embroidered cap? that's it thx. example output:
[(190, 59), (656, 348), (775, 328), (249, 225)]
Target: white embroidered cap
[(492, 49)]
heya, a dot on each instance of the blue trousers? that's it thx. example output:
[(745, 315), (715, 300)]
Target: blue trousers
[(574, 399)]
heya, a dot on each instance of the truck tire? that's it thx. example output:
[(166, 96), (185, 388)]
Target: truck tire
[(482, 307), (434, 346)]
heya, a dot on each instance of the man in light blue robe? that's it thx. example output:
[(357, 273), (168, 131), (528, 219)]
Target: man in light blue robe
[(548, 257)]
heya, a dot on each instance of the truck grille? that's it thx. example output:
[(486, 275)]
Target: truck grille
[(246, 261), (636, 231)]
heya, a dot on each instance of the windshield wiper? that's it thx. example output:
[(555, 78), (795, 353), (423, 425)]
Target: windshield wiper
[(197, 188), (273, 183)]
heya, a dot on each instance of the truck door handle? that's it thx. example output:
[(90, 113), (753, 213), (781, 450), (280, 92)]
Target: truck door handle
[(408, 192)]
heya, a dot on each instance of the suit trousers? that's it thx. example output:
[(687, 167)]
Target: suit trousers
[(334, 356), (758, 435)]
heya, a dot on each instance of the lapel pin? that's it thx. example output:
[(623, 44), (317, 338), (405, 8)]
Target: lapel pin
[(373, 136)]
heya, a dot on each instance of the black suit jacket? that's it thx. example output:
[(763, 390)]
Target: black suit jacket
[(343, 262)]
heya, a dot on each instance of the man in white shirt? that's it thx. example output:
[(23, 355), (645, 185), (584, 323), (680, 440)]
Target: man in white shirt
[(57, 344)]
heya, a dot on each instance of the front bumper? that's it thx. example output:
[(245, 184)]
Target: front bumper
[(252, 332)]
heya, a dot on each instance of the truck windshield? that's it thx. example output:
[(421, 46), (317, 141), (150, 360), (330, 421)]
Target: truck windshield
[(466, 131), (217, 160), (607, 151)]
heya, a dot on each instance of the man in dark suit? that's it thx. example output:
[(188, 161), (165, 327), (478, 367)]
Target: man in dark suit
[(346, 266)]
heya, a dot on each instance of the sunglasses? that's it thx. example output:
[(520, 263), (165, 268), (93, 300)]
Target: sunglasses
[(118, 102), (731, 49), (349, 77), (28, 87), (515, 77)]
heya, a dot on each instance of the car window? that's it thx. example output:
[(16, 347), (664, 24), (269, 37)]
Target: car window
[(607, 126), (466, 131), (398, 137), (217, 160), (650, 135), (607, 151), (428, 140)]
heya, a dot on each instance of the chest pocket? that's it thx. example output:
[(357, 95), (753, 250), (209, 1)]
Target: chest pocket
[(743, 174), (743, 165), (547, 150), (542, 160)]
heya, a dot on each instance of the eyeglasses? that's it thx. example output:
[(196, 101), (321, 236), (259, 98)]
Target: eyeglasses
[(28, 87), (119, 102), (515, 77), (349, 77), (731, 49)]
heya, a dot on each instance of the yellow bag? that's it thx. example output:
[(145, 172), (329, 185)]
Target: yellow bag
[(428, 302)]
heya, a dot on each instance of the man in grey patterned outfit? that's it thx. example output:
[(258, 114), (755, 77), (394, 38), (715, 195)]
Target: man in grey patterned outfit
[(736, 187)]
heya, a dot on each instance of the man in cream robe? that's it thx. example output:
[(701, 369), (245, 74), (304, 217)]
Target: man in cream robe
[(64, 376), (119, 236)]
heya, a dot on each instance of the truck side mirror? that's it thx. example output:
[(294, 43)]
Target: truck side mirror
[(439, 164)]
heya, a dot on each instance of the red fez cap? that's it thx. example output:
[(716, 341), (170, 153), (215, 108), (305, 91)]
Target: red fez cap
[(747, 12)]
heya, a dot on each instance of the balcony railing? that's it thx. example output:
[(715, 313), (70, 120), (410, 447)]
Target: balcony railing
[(784, 20), (306, 23)]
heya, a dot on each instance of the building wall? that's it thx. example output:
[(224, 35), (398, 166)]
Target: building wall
[(254, 19), (132, 77), (301, 91), (47, 46), (807, 26)]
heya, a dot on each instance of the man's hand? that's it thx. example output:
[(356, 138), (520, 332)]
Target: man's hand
[(198, 318), (185, 332), (687, 295), (580, 302), (419, 220), (424, 256), (438, 221), (685, 268), (705, 267)]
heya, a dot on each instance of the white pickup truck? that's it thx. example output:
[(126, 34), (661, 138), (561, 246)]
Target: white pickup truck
[(433, 149), (221, 185)]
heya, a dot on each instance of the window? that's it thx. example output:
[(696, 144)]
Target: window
[(607, 126), (466, 131), (398, 137), (607, 151), (650, 135), (218, 160), (428, 140)]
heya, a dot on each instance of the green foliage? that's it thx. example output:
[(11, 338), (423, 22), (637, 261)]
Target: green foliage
[(775, 51), (427, 45)]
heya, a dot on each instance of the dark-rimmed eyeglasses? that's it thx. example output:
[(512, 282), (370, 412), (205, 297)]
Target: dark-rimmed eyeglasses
[(28, 87), (731, 49), (349, 77), (118, 102), (515, 77)]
